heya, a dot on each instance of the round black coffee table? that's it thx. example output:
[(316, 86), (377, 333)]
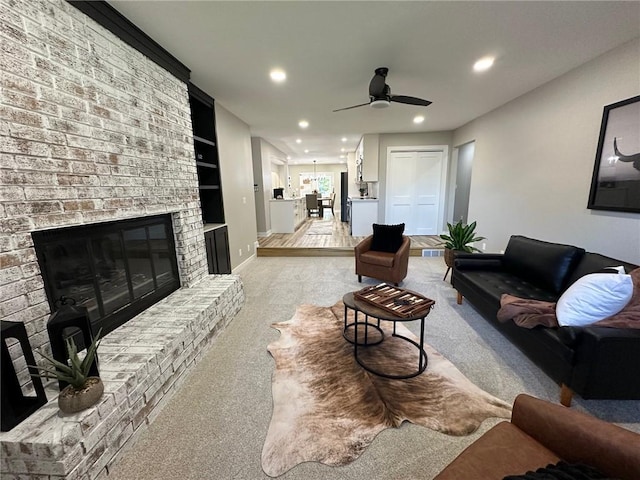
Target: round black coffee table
[(369, 310)]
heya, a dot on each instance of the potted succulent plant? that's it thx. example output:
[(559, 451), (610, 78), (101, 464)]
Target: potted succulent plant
[(83, 390), (458, 240)]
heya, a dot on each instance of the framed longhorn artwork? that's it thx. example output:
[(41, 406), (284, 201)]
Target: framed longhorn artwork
[(615, 184)]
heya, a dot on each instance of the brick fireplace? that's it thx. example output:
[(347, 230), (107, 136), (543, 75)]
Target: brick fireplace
[(91, 131)]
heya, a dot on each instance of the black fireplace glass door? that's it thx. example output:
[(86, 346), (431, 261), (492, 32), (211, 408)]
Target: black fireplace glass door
[(161, 261), (115, 269), (136, 244), (111, 274), (70, 273)]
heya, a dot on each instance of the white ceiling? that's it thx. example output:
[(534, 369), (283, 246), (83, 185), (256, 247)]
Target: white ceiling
[(330, 49)]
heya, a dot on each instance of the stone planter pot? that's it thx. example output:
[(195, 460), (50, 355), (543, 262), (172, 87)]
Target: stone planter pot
[(71, 400)]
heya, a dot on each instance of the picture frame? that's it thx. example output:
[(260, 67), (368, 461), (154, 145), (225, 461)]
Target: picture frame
[(615, 183)]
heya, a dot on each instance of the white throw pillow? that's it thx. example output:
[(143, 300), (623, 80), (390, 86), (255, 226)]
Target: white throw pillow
[(594, 297)]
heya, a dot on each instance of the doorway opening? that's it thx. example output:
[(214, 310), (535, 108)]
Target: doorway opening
[(462, 164)]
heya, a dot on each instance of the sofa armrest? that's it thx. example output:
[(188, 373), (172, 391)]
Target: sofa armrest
[(478, 261), (577, 437), (604, 365)]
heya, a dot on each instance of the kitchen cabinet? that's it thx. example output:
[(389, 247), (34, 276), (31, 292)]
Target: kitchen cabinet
[(363, 214), (216, 238), (287, 214)]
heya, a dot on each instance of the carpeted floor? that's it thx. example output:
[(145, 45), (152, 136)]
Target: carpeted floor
[(215, 427)]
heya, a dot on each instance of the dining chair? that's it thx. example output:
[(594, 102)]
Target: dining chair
[(331, 200), (312, 204)]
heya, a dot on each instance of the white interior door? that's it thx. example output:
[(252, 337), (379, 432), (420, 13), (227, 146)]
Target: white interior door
[(399, 194), (414, 191)]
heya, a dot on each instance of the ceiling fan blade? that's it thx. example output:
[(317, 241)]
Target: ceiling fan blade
[(354, 106), (410, 100)]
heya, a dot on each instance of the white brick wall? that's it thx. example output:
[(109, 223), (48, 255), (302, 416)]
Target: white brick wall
[(90, 130)]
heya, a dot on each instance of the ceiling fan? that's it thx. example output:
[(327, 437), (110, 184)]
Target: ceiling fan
[(380, 94)]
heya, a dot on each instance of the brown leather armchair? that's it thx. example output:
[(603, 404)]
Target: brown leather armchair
[(542, 433), (389, 267)]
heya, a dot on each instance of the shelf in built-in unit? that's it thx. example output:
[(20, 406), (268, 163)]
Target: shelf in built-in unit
[(204, 140), (209, 187), (206, 165)]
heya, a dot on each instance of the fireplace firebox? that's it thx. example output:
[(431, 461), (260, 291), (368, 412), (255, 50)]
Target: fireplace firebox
[(115, 269)]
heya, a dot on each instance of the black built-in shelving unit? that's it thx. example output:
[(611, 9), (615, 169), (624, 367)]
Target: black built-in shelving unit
[(206, 150)]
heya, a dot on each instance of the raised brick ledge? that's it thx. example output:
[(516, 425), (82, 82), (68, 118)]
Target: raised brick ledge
[(142, 364)]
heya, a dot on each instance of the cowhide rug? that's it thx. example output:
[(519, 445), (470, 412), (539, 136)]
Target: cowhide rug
[(327, 408)]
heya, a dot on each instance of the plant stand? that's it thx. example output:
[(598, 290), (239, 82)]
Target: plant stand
[(449, 257)]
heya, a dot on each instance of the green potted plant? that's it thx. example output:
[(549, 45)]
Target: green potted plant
[(83, 390), (458, 240)]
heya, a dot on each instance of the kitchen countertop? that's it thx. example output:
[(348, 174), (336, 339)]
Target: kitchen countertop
[(363, 199)]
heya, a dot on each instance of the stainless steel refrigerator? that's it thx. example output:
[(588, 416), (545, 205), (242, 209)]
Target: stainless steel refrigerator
[(344, 193)]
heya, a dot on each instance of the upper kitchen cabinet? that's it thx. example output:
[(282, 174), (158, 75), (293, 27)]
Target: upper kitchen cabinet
[(367, 158), (205, 142)]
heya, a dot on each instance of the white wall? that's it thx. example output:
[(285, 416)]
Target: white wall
[(236, 171), (264, 154), (534, 159)]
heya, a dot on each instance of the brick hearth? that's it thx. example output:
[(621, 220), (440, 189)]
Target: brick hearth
[(142, 364)]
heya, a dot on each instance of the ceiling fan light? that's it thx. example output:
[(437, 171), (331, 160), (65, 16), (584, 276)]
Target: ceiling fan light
[(380, 103)]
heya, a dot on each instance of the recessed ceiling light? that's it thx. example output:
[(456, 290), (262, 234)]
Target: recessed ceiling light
[(341, 156), (278, 75), (303, 124), (418, 119), (483, 64), (288, 157), (298, 140), (306, 151), (344, 139), (342, 149)]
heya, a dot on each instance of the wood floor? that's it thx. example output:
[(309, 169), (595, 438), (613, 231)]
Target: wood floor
[(328, 236)]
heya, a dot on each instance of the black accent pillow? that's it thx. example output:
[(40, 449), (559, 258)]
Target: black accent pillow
[(387, 238), (562, 471)]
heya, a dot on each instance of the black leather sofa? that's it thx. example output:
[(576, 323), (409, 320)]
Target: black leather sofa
[(594, 362)]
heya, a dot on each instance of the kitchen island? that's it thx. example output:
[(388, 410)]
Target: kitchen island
[(287, 214)]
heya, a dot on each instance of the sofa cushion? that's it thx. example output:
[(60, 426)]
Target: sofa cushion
[(387, 238), (545, 264), (594, 262), (493, 284), (592, 298), (383, 259)]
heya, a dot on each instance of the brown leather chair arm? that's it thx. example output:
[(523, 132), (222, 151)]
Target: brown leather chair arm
[(364, 245), (577, 437), (403, 251)]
